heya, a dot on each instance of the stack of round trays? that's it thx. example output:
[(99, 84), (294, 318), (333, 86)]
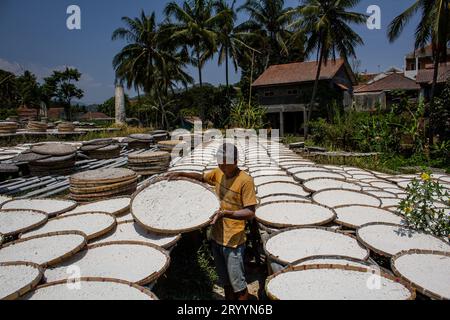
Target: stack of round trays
[(91, 289), (34, 126), (102, 184), (8, 127), (169, 146), (149, 163), (160, 135), (59, 159), (101, 149), (140, 141), (8, 170), (18, 278), (66, 127), (336, 282)]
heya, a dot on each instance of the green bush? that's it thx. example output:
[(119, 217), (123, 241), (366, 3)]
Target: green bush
[(421, 208)]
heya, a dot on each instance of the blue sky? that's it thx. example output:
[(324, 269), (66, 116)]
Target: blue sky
[(34, 36)]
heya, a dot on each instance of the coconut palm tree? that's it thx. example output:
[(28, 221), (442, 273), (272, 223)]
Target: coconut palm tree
[(230, 40), (193, 26), (269, 20), (434, 27), (146, 55), (326, 25)]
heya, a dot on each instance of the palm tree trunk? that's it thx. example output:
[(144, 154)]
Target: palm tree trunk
[(199, 66), (432, 94), (226, 67), (313, 98)]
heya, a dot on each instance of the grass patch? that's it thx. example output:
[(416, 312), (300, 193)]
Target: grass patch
[(191, 275)]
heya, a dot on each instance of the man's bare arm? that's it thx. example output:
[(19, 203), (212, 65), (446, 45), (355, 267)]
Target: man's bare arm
[(193, 176), (245, 214)]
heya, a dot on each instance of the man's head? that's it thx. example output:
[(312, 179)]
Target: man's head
[(227, 158)]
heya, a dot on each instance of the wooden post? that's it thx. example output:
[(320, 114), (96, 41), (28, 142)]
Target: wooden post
[(281, 124)]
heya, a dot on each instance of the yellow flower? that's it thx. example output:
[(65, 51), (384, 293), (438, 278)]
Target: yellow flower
[(408, 210), (425, 177)]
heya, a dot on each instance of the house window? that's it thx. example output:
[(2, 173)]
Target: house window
[(292, 92), (269, 94), (412, 66)]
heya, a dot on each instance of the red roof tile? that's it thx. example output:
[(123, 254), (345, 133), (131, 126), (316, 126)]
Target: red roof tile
[(94, 115), (425, 76), (298, 72), (394, 81)]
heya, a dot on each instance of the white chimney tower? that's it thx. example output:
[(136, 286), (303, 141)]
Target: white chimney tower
[(120, 105)]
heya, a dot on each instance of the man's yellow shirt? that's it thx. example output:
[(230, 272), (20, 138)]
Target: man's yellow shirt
[(235, 194)]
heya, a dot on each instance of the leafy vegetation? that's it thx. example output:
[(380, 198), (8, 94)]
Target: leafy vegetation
[(424, 207)]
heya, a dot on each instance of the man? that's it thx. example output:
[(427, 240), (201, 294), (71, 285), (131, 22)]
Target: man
[(236, 191)]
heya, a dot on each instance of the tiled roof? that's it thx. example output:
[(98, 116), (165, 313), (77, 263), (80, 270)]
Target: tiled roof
[(94, 115), (425, 76), (425, 52), (298, 72), (393, 81)]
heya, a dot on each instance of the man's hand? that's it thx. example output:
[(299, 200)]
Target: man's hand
[(220, 214), (173, 175)]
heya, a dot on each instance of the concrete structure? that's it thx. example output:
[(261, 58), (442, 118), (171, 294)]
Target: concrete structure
[(120, 105)]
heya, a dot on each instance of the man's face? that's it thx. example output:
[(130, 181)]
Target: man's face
[(228, 169)]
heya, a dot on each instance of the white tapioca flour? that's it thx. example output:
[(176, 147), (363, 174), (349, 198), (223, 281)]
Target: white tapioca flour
[(15, 277), (334, 284), (175, 206), (90, 290), (129, 262), (293, 245)]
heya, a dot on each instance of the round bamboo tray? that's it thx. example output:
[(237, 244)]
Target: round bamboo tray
[(290, 245), (355, 216), (427, 271), (54, 149), (268, 179), (340, 197), (335, 260), (288, 214), (306, 168), (102, 176), (389, 239), (320, 184), (92, 224), (137, 262), (308, 175), (51, 207), (281, 188), (341, 282), (18, 278), (91, 289), (116, 206), (44, 250), (4, 199), (288, 197), (154, 206), (14, 222), (131, 231)]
